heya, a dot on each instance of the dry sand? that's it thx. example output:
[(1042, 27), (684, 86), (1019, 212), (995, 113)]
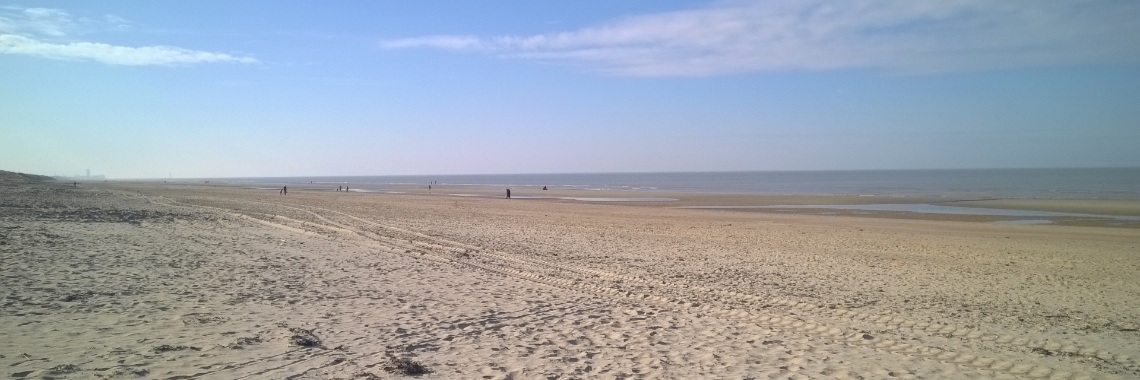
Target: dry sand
[(155, 281)]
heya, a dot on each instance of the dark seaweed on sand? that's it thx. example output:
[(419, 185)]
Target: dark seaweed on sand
[(405, 366), (167, 348), (304, 338), (65, 368)]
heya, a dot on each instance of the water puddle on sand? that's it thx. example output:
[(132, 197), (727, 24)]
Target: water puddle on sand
[(1024, 222), (621, 199), (580, 199), (1033, 217)]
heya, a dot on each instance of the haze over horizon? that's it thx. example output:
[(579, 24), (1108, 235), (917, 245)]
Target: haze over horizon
[(222, 89)]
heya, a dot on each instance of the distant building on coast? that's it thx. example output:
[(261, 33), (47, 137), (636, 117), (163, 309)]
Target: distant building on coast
[(81, 177)]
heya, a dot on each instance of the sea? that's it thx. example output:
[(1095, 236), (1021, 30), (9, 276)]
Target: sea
[(1061, 183)]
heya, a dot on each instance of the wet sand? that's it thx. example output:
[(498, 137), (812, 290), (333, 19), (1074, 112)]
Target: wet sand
[(1086, 206), (161, 281), (1104, 212)]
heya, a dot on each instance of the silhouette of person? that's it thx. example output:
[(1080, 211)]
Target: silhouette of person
[(284, 190), (544, 187), (508, 193)]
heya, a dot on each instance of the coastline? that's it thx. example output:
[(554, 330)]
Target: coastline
[(1114, 213), (1042, 183), (173, 280)]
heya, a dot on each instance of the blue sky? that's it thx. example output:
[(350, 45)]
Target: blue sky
[(222, 88)]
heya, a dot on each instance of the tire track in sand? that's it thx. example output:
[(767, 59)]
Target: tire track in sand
[(891, 322), (571, 278)]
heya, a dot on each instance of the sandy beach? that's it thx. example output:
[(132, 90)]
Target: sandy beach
[(148, 280)]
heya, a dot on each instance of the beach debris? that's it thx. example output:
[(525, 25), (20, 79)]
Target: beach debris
[(1046, 352), (400, 361), (77, 296), (404, 366), (168, 348), (304, 338), (64, 368)]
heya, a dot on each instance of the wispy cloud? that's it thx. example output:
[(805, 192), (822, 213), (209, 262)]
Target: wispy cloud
[(47, 33), (438, 42), (900, 36), (111, 54), (44, 21)]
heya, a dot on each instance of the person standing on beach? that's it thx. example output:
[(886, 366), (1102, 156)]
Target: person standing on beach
[(508, 193), (284, 190)]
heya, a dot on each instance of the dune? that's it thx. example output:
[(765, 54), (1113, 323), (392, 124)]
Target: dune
[(22, 178)]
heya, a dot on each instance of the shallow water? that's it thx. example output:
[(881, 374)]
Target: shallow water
[(587, 199), (1068, 183), (581, 199), (1025, 222), (935, 209)]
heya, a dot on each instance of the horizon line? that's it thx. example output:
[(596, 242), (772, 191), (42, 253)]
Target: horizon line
[(625, 172)]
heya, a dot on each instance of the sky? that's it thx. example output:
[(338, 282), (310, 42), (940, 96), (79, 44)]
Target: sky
[(193, 89)]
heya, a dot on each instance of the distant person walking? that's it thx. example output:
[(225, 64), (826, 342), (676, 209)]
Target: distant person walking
[(508, 193), (284, 190)]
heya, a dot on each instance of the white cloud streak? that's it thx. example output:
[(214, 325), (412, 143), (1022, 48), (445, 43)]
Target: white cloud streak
[(438, 42), (111, 54), (898, 36), (44, 33), (45, 21)]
